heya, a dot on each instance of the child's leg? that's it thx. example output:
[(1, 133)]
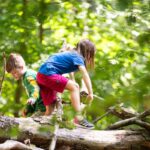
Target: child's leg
[(48, 97), (49, 109), (39, 106), (59, 83), (75, 97), (47, 93)]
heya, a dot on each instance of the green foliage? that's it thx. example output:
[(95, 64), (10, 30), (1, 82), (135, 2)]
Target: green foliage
[(46, 129), (12, 132), (119, 29)]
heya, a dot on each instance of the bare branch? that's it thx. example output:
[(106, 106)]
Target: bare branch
[(124, 113), (99, 118), (144, 114), (59, 118), (133, 120), (143, 124), (122, 123)]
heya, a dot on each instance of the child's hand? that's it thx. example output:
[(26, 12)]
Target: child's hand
[(31, 101), (85, 97), (24, 113), (90, 97)]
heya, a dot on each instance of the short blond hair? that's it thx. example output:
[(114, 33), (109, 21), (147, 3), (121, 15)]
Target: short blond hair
[(14, 61)]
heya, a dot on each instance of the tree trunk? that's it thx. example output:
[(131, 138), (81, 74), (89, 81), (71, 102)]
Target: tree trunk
[(76, 139), (18, 94), (41, 30)]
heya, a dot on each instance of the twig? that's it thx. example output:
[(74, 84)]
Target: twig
[(110, 110), (99, 118), (122, 123), (144, 114), (54, 139), (98, 97), (59, 118), (4, 68), (118, 111)]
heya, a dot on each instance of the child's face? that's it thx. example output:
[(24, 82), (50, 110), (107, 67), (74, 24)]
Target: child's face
[(17, 73)]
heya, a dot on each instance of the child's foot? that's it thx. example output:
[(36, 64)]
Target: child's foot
[(83, 124)]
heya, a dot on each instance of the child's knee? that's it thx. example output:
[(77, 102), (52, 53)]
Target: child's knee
[(76, 86), (72, 86)]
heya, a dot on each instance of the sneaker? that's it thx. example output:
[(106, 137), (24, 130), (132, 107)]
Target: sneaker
[(83, 124)]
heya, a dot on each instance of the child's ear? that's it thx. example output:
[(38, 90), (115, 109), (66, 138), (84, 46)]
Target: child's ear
[(20, 67)]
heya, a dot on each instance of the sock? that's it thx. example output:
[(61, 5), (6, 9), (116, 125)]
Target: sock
[(79, 116)]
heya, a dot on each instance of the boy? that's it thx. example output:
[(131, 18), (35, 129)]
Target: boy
[(17, 67)]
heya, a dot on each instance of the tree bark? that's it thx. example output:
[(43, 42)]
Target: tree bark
[(76, 139), (41, 30)]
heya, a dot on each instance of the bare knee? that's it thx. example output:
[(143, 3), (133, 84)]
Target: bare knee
[(72, 86), (76, 85)]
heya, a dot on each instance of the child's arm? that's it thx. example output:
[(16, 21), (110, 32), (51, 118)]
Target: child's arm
[(87, 81), (83, 87), (33, 90), (72, 76)]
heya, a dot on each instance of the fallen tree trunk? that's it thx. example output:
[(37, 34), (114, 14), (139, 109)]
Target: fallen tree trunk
[(76, 139)]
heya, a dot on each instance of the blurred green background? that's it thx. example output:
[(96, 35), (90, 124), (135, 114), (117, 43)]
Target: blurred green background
[(120, 30)]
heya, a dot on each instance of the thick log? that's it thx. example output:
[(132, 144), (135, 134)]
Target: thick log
[(76, 139)]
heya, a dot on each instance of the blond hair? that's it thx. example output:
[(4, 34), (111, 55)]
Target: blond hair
[(14, 61)]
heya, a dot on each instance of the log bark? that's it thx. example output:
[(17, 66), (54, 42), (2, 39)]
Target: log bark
[(76, 139)]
